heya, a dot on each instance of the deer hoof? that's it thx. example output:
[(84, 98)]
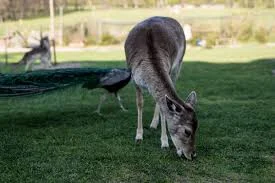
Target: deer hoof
[(165, 146), (98, 113), (138, 141), (154, 125)]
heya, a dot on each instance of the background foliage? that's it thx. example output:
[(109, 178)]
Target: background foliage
[(29, 8)]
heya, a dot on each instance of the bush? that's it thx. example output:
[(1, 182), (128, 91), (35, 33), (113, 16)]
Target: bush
[(89, 40), (246, 32), (108, 39), (261, 35), (193, 41), (195, 37), (229, 29), (66, 38), (211, 40), (69, 34), (172, 2)]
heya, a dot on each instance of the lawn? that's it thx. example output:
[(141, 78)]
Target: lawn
[(56, 137), (207, 16), (240, 54)]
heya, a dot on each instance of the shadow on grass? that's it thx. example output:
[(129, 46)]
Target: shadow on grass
[(216, 84), (57, 133)]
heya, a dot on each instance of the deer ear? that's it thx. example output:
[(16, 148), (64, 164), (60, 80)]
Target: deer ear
[(172, 105), (192, 99)]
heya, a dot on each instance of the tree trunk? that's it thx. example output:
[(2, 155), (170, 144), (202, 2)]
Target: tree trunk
[(61, 25), (52, 32), (125, 3)]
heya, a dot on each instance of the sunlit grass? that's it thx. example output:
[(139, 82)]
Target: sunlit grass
[(242, 53), (264, 16)]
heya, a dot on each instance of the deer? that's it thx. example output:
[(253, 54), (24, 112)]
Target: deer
[(154, 50), (42, 52)]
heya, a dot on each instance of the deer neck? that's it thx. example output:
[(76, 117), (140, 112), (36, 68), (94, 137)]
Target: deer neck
[(162, 86)]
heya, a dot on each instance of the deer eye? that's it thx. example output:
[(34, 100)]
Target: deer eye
[(187, 133)]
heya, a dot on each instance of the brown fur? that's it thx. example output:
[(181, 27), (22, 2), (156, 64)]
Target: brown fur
[(154, 51)]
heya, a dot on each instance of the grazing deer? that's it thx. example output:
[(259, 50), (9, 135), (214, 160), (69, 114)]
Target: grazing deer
[(42, 52), (154, 50)]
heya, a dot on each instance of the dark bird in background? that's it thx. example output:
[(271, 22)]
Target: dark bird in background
[(112, 81), (41, 81)]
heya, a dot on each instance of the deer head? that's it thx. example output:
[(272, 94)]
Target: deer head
[(182, 124)]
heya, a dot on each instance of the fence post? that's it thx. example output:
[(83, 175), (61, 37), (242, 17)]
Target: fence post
[(54, 52), (6, 51), (52, 30), (61, 25)]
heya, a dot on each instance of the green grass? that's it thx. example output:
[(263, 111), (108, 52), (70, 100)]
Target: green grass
[(263, 17), (244, 53), (55, 137)]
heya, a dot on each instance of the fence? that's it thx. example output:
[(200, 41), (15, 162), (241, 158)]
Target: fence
[(120, 29)]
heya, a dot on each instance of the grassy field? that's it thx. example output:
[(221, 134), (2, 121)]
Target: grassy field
[(242, 53), (56, 137), (263, 17)]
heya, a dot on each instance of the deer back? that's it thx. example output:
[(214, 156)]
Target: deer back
[(152, 48)]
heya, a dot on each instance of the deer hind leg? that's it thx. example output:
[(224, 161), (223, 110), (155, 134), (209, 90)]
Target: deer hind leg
[(45, 61), (30, 61), (139, 101), (155, 120), (163, 138)]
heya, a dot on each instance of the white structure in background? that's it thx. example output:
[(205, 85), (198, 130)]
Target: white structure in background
[(213, 6), (189, 6), (201, 43), (176, 9), (187, 31)]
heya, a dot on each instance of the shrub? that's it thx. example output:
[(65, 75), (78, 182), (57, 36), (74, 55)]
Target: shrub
[(195, 37), (89, 40), (172, 2), (261, 35), (245, 32), (69, 34), (66, 38), (108, 39), (211, 40), (229, 29)]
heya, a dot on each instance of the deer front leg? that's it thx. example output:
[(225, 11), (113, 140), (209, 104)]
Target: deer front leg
[(163, 138), (155, 120), (139, 101)]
